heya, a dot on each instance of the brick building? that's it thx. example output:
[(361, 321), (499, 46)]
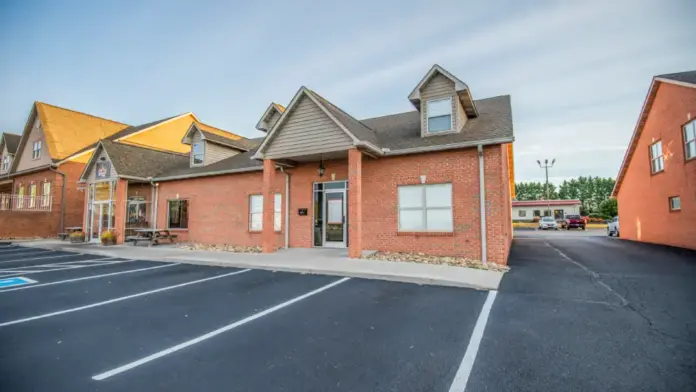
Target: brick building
[(436, 180), (39, 170), (656, 185)]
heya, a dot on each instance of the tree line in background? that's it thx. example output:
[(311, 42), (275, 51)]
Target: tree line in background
[(593, 192)]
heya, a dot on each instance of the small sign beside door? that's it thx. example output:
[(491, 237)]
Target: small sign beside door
[(302, 211)]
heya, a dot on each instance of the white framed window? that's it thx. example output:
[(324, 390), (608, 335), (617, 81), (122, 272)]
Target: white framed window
[(197, 153), (256, 212), (522, 213), (36, 150), (277, 211), (177, 214), (439, 115), (675, 203), (46, 192), (690, 140), (657, 162), (5, 163), (20, 197), (32, 195), (425, 208)]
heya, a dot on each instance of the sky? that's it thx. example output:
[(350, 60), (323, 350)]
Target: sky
[(577, 71)]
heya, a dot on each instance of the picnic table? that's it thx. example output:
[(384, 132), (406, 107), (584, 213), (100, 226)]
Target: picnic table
[(68, 231), (153, 236)]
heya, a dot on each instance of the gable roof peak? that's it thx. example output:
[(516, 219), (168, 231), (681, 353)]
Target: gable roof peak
[(461, 89), (263, 124)]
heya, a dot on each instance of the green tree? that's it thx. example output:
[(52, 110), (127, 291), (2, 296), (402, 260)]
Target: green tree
[(609, 208)]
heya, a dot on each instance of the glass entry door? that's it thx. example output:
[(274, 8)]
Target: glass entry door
[(334, 217), (100, 220)]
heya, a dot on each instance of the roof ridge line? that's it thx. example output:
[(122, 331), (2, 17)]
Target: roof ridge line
[(130, 144), (339, 109), (83, 113)]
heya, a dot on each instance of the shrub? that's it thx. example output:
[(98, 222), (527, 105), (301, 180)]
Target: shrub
[(108, 235), (536, 219), (77, 234)]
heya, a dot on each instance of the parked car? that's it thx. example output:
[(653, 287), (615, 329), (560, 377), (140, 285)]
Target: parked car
[(613, 227), (548, 222), (575, 221)]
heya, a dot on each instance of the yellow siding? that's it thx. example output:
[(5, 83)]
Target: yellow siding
[(167, 136), (67, 131)]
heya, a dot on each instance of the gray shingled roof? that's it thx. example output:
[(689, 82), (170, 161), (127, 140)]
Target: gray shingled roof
[(357, 128), (239, 162), (403, 130), (141, 162), (11, 141), (688, 76), (242, 144)]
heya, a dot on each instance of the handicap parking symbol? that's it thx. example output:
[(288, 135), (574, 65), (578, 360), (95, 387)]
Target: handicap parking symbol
[(18, 281)]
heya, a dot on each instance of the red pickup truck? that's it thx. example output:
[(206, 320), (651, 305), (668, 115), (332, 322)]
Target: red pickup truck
[(575, 221)]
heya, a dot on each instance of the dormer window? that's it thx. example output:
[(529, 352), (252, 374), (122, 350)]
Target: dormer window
[(5, 163), (439, 115), (197, 152)]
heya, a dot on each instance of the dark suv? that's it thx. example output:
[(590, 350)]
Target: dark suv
[(574, 221)]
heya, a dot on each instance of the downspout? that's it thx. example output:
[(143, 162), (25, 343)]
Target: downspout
[(62, 199), (287, 207), (482, 198)]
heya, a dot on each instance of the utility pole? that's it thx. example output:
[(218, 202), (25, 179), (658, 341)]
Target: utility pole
[(546, 166)]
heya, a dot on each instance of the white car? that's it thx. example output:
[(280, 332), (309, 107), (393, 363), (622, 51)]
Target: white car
[(613, 227), (548, 222)]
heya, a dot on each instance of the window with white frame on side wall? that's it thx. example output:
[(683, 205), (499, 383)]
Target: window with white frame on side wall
[(426, 208), (657, 162), (36, 150), (689, 131)]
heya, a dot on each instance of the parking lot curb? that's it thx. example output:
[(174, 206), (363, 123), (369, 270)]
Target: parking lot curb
[(438, 275)]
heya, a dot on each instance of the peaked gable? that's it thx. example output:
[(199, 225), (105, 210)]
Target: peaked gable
[(305, 129), (444, 79), (270, 117)]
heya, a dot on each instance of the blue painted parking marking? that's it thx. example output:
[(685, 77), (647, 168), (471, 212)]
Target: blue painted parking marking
[(18, 281)]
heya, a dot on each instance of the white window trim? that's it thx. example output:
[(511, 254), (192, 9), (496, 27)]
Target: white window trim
[(427, 120), (36, 151), (425, 209), (46, 196), (687, 142), (277, 212), (193, 161), (32, 195), (5, 163), (659, 158)]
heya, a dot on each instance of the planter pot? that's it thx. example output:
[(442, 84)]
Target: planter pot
[(108, 242), (75, 240)]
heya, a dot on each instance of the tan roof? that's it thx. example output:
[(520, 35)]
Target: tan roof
[(68, 131), (217, 131)]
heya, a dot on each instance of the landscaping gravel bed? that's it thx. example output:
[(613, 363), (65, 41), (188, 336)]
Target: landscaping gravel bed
[(222, 248), (430, 259)]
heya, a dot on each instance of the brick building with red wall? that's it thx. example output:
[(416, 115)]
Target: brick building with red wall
[(656, 185), (435, 180)]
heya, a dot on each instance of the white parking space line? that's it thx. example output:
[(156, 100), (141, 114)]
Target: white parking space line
[(464, 371), (119, 299), (38, 258), (89, 277), (216, 332), (104, 259), (69, 267)]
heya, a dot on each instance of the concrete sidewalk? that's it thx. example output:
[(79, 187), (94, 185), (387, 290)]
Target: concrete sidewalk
[(312, 261)]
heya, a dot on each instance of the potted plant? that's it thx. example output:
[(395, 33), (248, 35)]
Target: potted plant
[(108, 237), (77, 236)]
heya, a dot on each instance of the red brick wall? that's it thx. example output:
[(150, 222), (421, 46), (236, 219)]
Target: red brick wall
[(218, 208), (643, 197), (19, 224), (75, 198)]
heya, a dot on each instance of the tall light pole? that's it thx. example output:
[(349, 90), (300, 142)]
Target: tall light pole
[(546, 166)]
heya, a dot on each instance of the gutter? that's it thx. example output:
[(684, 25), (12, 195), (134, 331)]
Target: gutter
[(62, 199), (452, 146), (482, 199)]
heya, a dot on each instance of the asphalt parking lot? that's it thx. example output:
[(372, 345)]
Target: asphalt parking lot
[(575, 313)]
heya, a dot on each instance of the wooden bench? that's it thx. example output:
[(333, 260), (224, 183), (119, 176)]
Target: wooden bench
[(152, 239), (136, 238)]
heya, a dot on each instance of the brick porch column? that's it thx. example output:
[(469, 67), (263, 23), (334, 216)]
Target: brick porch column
[(354, 203), (268, 234), (120, 210)]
